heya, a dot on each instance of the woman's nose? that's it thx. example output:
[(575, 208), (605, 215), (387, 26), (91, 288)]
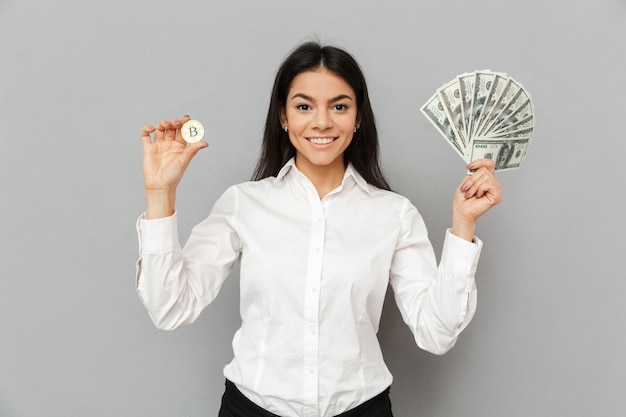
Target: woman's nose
[(322, 120)]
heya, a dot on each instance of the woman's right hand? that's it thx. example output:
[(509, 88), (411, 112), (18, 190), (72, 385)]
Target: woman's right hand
[(167, 156), (165, 159)]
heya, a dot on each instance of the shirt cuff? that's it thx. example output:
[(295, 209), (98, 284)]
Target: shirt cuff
[(157, 235), (460, 255)]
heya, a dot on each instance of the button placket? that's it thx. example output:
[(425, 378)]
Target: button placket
[(312, 303)]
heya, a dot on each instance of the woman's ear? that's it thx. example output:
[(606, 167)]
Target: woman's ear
[(282, 116)]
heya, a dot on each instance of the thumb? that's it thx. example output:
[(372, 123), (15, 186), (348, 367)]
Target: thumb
[(195, 147), (190, 151)]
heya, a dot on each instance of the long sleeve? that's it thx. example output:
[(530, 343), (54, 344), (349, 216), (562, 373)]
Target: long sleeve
[(437, 303), (176, 284)]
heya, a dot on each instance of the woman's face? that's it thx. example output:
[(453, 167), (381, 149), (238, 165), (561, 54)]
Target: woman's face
[(321, 114)]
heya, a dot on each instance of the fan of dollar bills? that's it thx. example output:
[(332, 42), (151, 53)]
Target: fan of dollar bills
[(484, 114)]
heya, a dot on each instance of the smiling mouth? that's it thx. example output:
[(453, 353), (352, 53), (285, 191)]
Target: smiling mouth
[(321, 141)]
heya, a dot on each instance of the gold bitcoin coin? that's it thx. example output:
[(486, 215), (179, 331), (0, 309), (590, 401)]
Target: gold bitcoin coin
[(192, 131)]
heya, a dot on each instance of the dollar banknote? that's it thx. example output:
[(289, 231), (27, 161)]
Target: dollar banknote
[(506, 153), (450, 98), (466, 90), (434, 111), (484, 114)]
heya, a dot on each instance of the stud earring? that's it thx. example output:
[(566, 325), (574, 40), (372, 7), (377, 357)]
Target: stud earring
[(286, 128), (354, 129)]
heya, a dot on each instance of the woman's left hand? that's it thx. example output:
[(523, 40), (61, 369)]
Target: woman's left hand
[(478, 192)]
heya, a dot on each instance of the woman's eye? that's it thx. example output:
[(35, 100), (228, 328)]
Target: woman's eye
[(303, 107), (341, 107)]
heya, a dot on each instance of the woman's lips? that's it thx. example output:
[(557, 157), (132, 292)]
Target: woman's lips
[(321, 141)]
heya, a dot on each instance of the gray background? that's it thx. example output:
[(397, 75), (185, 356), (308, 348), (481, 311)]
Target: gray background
[(78, 79)]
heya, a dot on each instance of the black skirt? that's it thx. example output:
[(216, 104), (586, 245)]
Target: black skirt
[(235, 404)]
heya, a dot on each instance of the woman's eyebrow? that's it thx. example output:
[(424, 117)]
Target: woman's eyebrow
[(332, 100)]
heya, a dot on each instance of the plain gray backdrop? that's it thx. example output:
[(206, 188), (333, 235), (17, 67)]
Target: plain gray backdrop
[(78, 80)]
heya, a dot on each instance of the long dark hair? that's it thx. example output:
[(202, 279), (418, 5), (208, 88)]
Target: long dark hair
[(362, 152)]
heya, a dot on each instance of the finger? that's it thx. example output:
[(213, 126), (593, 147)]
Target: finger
[(179, 137), (193, 148), (473, 184), (469, 181), (489, 187), (481, 163), (146, 131), (174, 125), (478, 169), (161, 129), (191, 151), (482, 187)]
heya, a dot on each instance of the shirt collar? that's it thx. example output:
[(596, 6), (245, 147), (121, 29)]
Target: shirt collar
[(350, 173)]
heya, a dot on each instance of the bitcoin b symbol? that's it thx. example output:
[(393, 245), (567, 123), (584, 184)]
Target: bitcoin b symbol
[(192, 131)]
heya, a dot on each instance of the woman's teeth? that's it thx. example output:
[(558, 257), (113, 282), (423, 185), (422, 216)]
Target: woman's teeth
[(321, 141)]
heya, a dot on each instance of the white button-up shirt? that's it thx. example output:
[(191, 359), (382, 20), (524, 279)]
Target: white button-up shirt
[(313, 279)]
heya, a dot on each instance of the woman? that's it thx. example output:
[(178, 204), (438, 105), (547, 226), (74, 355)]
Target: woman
[(319, 237)]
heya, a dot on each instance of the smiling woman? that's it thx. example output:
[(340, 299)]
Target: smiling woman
[(340, 67), (320, 238), (321, 119)]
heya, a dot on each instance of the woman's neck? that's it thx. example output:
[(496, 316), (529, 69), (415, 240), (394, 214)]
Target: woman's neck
[(324, 178)]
